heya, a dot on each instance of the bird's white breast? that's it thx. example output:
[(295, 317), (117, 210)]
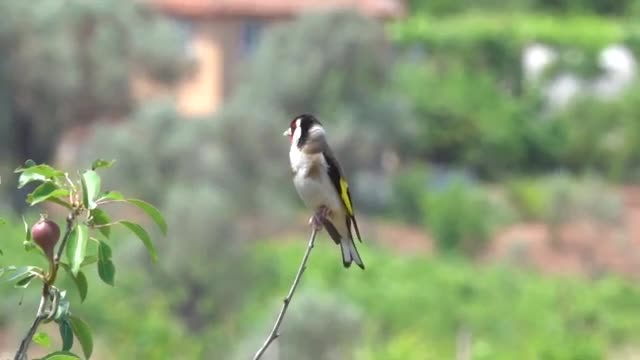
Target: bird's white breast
[(314, 191)]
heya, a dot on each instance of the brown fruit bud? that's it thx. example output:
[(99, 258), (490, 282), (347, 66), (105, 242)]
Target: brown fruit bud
[(46, 233)]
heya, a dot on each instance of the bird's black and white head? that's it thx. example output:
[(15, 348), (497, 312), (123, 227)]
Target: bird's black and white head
[(303, 130)]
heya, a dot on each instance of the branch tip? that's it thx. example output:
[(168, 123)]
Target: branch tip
[(274, 334)]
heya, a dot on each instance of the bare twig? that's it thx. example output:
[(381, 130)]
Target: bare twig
[(287, 300), (42, 313)]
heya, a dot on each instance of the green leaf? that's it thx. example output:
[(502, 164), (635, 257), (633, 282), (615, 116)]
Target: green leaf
[(60, 202), (144, 236), (80, 280), (83, 334), (77, 247), (21, 271), (111, 195), (106, 268), (101, 163), (107, 271), (61, 355), (27, 232), (2, 221), (100, 217), (66, 334), (152, 212), (82, 284), (41, 172), (104, 251), (88, 260), (91, 188), (46, 191), (24, 283), (42, 338)]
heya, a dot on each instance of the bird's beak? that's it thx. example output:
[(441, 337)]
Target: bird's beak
[(287, 132)]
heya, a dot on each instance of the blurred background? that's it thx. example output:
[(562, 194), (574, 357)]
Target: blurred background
[(493, 150)]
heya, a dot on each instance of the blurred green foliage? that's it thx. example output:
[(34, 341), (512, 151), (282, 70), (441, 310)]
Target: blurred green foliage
[(462, 214), (601, 7), (560, 198), (456, 216), (512, 31), (474, 108), (510, 314), (407, 307), (65, 64), (603, 136)]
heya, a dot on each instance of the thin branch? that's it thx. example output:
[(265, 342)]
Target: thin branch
[(70, 220), (287, 300), (42, 313), (56, 260)]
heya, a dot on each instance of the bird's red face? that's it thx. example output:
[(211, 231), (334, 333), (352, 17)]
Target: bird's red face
[(291, 131), (298, 131)]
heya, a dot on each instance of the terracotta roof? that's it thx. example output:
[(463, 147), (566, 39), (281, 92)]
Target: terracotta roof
[(276, 8)]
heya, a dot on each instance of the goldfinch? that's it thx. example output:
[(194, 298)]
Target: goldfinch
[(320, 183)]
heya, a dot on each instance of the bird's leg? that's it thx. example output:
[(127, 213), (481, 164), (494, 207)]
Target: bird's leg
[(317, 219)]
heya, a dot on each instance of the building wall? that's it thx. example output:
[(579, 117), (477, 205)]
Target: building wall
[(221, 49), (205, 88)]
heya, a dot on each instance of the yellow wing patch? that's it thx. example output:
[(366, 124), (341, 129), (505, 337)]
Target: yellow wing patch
[(345, 196)]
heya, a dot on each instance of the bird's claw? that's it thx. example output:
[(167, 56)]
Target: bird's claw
[(317, 220)]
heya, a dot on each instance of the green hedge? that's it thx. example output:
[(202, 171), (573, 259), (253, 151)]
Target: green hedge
[(604, 7), (589, 33)]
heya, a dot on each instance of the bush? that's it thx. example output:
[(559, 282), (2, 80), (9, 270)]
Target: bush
[(460, 215), (560, 198), (603, 136), (409, 188)]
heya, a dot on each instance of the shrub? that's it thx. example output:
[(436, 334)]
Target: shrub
[(460, 216), (409, 189), (559, 198)]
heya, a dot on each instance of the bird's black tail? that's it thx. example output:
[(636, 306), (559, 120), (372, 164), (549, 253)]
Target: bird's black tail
[(347, 246), (350, 253)]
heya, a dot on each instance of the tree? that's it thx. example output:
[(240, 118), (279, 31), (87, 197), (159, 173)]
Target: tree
[(68, 63)]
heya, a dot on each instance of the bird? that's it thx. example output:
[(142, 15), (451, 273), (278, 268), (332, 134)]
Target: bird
[(320, 183)]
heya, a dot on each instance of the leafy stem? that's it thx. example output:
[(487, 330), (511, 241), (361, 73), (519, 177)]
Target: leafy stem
[(65, 239), (42, 312), (83, 197)]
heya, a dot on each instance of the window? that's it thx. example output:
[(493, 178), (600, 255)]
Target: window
[(186, 34), (251, 33)]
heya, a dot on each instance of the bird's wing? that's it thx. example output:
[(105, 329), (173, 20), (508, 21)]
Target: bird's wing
[(341, 186)]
